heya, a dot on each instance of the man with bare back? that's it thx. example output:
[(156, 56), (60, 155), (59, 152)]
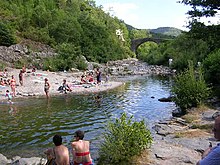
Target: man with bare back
[(58, 155)]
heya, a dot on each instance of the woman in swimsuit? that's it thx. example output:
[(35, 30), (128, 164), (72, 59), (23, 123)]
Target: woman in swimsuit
[(46, 87), (80, 150), (13, 85)]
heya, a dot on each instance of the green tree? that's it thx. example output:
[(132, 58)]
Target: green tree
[(201, 8), (136, 33), (211, 66), (6, 36), (66, 22), (190, 89)]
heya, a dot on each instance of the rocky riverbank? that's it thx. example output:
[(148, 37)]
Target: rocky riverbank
[(181, 140)]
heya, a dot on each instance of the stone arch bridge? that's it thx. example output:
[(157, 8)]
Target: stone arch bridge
[(137, 42)]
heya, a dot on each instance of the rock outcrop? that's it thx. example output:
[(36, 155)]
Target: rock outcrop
[(25, 50), (22, 161)]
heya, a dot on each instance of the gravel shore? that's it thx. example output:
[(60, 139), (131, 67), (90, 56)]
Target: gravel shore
[(33, 84)]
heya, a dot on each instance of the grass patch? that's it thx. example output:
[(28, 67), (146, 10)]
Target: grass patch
[(143, 158), (191, 134), (194, 114), (206, 127)]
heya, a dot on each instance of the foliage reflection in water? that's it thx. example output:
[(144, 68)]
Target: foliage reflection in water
[(29, 124)]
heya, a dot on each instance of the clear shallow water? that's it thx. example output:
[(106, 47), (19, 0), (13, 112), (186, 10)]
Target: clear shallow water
[(27, 127)]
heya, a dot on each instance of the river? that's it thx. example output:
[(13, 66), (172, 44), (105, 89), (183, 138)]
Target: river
[(27, 127)]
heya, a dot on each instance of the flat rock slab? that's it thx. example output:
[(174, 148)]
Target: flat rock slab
[(170, 154)]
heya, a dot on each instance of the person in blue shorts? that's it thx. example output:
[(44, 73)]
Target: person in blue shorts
[(211, 156)]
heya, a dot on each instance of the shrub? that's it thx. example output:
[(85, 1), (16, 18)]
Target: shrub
[(190, 89), (212, 67), (6, 36), (124, 139), (81, 64)]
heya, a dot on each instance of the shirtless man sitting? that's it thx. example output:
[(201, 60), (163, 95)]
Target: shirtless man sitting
[(59, 155), (80, 150)]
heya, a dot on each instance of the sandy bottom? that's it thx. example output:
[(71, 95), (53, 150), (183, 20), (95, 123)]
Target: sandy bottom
[(33, 84)]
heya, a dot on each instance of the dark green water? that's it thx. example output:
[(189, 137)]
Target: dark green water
[(27, 127)]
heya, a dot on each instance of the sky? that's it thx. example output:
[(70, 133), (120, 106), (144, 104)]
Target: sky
[(148, 14)]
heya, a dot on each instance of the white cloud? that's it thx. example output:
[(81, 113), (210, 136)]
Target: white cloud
[(124, 11)]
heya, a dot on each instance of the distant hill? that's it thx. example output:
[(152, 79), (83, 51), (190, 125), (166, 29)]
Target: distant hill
[(171, 31), (161, 31)]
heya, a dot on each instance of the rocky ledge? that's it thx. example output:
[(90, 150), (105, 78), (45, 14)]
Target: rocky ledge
[(22, 161), (182, 140)]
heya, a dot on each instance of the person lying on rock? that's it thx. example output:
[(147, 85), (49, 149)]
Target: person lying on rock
[(58, 155), (211, 156)]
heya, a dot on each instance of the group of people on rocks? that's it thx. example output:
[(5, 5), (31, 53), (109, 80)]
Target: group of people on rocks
[(5, 81), (59, 154), (85, 79)]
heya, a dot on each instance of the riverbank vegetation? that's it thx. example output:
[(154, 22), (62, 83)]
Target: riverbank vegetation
[(74, 28), (200, 46), (190, 89), (124, 139)]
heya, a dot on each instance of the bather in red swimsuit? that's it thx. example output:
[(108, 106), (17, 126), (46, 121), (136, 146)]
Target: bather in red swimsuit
[(83, 154)]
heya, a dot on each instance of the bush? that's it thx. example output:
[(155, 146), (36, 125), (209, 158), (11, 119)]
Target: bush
[(81, 64), (6, 36), (212, 67), (124, 139), (190, 89)]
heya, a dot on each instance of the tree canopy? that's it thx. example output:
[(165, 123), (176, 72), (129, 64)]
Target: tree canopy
[(201, 8), (78, 24)]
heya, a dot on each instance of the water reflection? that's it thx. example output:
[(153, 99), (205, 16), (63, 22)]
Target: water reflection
[(31, 123)]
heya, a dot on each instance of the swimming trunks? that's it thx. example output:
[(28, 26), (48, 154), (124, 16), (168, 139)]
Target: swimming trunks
[(86, 163), (82, 153)]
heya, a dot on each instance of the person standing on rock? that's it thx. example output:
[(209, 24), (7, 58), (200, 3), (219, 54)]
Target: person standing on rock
[(21, 77), (211, 156), (98, 76), (13, 85), (46, 87)]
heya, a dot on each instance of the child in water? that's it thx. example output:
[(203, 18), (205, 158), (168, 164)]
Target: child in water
[(9, 96)]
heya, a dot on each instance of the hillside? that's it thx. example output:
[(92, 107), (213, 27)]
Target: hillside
[(160, 32), (171, 31)]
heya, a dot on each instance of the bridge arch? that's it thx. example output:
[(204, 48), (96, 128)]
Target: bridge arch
[(137, 42)]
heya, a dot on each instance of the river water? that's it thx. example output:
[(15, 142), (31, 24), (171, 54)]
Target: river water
[(27, 127)]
